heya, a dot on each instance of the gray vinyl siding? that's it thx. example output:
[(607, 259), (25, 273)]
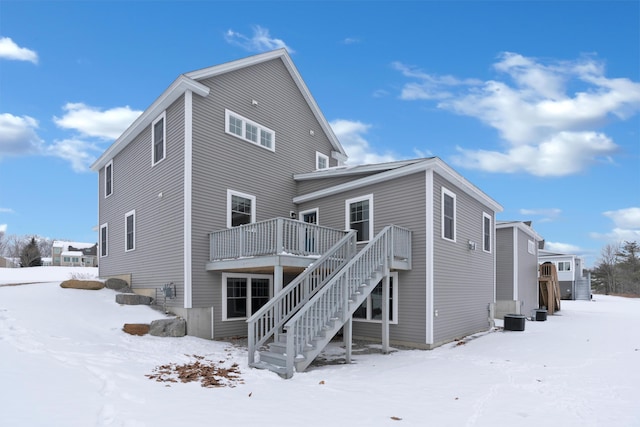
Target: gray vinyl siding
[(504, 264), (463, 279), (158, 254), (527, 274), (222, 161), (400, 202)]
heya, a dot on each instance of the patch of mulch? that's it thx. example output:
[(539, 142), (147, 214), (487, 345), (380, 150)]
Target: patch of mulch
[(92, 285), (207, 372)]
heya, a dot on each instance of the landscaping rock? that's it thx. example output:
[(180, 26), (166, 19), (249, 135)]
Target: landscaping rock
[(133, 299), (116, 284), (175, 327), (92, 285), (136, 328)]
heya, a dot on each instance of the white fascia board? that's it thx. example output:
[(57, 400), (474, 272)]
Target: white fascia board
[(433, 163), (281, 53), (173, 92), (347, 170)]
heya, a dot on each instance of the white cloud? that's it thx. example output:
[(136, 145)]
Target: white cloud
[(564, 248), (260, 41), (6, 210), (548, 130), (10, 50), (3, 228), (18, 135), (625, 218), (351, 136), (351, 40), (564, 153), (77, 152), (91, 121), (626, 224)]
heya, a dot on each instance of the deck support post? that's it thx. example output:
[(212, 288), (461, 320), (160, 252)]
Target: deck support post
[(348, 338), (385, 313)]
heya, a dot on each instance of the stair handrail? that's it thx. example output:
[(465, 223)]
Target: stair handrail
[(332, 300), (266, 322)]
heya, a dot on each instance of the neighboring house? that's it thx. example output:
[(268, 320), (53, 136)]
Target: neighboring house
[(231, 187), (574, 278), (47, 261), (74, 254), (8, 262), (517, 246)]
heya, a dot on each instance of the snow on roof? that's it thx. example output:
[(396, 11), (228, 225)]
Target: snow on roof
[(77, 245)]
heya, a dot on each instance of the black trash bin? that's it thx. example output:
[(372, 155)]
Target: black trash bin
[(514, 322), (541, 315)]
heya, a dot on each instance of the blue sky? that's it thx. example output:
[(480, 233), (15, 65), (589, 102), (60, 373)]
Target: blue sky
[(537, 103)]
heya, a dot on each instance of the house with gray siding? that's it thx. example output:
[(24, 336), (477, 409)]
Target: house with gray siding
[(233, 189), (573, 277), (517, 246)]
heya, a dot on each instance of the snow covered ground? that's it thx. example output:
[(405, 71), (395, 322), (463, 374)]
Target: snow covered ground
[(65, 361)]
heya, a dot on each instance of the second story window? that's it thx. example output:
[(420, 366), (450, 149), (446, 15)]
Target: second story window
[(240, 208), (108, 179), (448, 215), (158, 136), (130, 231), (486, 232), (248, 130), (359, 217)]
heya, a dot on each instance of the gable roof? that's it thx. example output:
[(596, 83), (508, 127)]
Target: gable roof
[(401, 169), (191, 81)]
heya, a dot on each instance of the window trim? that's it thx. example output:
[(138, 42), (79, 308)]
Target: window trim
[(442, 214), (162, 117), (104, 240), (230, 194), (126, 232), (487, 216), (324, 157), (249, 277), (394, 304), (108, 166), (347, 214), (228, 113)]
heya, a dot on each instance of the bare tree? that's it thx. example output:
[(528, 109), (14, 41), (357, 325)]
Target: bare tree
[(3, 243), (605, 273)]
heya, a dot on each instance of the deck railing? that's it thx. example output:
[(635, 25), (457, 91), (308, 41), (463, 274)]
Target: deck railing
[(271, 237), (267, 321), (332, 301)]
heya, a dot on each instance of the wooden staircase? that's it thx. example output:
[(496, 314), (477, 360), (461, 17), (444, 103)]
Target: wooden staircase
[(319, 317), (549, 288)]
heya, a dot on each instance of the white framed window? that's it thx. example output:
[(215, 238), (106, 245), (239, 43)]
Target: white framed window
[(108, 179), (448, 215), (241, 208), (486, 232), (564, 265), (250, 131), (322, 161), (244, 294), (371, 309), (104, 240), (531, 247), (130, 231), (158, 138), (359, 217)]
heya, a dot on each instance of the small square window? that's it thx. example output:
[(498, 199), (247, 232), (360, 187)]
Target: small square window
[(322, 161), (251, 132)]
